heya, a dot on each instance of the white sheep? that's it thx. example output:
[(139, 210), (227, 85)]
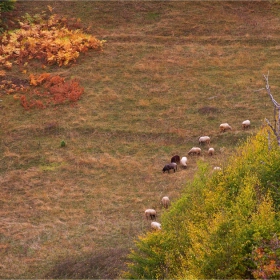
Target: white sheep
[(224, 127), (217, 168), (246, 124), (194, 151), (155, 225), (150, 214), (183, 161), (165, 201), (204, 140), (211, 151)]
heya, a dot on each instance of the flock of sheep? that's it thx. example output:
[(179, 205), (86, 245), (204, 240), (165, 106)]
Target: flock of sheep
[(151, 214)]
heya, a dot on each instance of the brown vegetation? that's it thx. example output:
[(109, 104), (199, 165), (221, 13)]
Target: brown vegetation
[(170, 72)]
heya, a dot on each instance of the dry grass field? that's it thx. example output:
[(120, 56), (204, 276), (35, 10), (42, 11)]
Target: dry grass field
[(169, 73)]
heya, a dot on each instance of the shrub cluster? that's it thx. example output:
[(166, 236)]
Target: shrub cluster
[(5, 6), (49, 40), (226, 224), (55, 91)]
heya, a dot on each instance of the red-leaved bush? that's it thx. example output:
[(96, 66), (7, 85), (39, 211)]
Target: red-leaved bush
[(54, 91)]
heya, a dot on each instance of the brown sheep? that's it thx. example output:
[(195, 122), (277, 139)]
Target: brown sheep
[(175, 159)]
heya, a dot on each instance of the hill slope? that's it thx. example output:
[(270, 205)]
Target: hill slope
[(225, 225), (169, 73)]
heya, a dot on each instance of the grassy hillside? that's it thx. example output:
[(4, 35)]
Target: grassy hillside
[(224, 226), (169, 73)]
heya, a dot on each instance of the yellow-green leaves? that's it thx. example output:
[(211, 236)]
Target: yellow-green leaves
[(264, 220), (216, 229)]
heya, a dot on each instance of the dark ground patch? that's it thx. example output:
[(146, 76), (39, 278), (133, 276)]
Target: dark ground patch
[(208, 110), (99, 265)]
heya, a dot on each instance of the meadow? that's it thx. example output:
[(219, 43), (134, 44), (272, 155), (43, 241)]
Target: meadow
[(169, 73)]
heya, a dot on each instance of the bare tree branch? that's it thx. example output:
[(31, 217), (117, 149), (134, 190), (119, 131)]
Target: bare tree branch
[(269, 93), (276, 128), (258, 89), (269, 124), (269, 141)]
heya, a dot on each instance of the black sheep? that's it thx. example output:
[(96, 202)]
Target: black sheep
[(169, 166)]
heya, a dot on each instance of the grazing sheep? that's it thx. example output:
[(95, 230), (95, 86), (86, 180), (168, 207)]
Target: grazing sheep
[(224, 127), (169, 166), (217, 168), (175, 159), (246, 124), (211, 151), (184, 161), (204, 140), (150, 214), (194, 151), (155, 225), (165, 201)]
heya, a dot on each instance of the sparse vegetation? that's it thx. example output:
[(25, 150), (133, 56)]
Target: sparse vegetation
[(165, 65), (62, 144)]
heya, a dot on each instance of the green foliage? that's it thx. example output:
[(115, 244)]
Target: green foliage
[(35, 19), (216, 229), (257, 156), (150, 258), (7, 5), (62, 144)]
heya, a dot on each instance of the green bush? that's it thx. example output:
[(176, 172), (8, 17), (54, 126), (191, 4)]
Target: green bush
[(216, 228), (5, 6)]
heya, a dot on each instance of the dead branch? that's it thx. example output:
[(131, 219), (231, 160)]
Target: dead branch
[(269, 124), (269, 93), (276, 128)]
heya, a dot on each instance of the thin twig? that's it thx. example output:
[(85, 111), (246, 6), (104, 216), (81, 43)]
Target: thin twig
[(258, 89), (269, 93), (269, 124)]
